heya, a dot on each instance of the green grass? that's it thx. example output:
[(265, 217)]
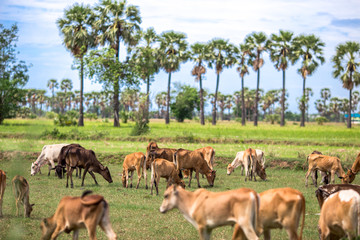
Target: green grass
[(135, 213)]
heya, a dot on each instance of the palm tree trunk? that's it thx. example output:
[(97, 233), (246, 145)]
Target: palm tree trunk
[(257, 99), (81, 115), (147, 99), (116, 103), (282, 122), (302, 124), (52, 100), (349, 110), (167, 117), (214, 106), (202, 118), (243, 109)]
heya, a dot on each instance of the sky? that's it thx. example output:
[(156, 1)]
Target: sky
[(335, 22)]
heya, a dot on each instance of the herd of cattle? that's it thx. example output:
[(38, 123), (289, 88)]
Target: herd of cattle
[(252, 213)]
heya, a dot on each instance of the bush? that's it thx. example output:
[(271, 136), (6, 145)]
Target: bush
[(53, 134), (272, 118), (65, 120), (321, 120), (50, 115), (91, 116), (124, 116)]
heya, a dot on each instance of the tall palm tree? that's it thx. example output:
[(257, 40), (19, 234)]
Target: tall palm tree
[(281, 53), (242, 55), (310, 49), (66, 85), (200, 52), (146, 60), (325, 94), (117, 22), (76, 28), (346, 62), (257, 44), (173, 52), (160, 100), (334, 107), (221, 56), (52, 84)]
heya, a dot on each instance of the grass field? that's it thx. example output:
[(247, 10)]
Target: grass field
[(135, 213)]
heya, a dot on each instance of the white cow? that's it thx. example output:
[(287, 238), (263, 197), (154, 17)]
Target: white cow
[(49, 155), (239, 161)]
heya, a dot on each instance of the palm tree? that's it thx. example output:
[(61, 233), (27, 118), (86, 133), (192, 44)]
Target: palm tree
[(52, 84), (146, 59), (117, 21), (76, 28), (221, 56), (199, 53), (310, 49), (160, 100), (325, 94), (334, 107), (242, 54), (346, 61), (228, 104), (257, 44), (66, 85), (173, 48), (281, 53)]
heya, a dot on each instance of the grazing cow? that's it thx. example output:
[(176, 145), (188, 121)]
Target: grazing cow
[(239, 161), (350, 176), (340, 215), (2, 189), (135, 161), (165, 169), (49, 154), (60, 168), (324, 175), (280, 208), (74, 213), (207, 210), (324, 164), (21, 192), (323, 192), (194, 160), (250, 163), (83, 158)]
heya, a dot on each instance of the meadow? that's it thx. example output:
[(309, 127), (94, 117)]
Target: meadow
[(134, 213)]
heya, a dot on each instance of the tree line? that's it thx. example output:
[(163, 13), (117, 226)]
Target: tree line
[(93, 35)]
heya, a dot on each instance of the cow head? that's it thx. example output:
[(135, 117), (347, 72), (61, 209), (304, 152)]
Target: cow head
[(170, 199), (123, 179), (106, 174), (59, 171), (229, 169), (261, 172), (28, 209), (34, 168), (349, 177), (47, 229), (210, 176)]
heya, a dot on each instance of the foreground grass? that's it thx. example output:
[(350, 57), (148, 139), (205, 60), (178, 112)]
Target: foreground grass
[(134, 213)]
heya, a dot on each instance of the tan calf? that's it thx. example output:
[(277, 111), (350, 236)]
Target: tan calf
[(2, 189), (194, 160), (324, 164), (165, 169), (74, 213), (207, 210), (21, 193), (340, 215), (351, 173), (135, 161)]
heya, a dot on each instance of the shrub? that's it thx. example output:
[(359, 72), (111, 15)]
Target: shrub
[(65, 120), (321, 120), (272, 118), (124, 116), (53, 134), (91, 116), (50, 115)]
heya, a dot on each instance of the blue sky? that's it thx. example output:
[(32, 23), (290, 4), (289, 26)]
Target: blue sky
[(333, 21)]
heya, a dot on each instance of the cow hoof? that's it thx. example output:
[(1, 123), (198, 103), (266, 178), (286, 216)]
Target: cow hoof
[(146, 187)]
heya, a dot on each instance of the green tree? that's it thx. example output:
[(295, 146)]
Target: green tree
[(222, 56), (116, 21), (76, 29), (334, 107), (173, 52), (52, 84), (13, 73), (185, 102), (242, 56), (310, 49), (257, 43), (346, 62), (281, 53), (200, 52)]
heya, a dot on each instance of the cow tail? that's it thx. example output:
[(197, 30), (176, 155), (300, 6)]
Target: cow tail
[(212, 158), (303, 216), (153, 173)]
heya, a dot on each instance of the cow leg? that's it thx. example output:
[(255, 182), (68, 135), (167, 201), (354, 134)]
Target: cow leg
[(248, 231), (131, 178), (267, 234), (145, 174), (106, 226), (242, 170), (157, 180), (307, 177), (332, 177), (238, 233), (57, 232), (91, 227), (190, 177), (67, 175), (71, 180), (17, 207), (197, 178), (79, 173), (314, 177), (93, 176), (204, 233), (246, 172), (291, 231), (138, 170), (127, 178), (50, 170), (76, 234)]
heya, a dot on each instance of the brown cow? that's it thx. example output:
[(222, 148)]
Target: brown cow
[(83, 158), (207, 210), (134, 161), (194, 160), (163, 168), (350, 176), (340, 215), (74, 213), (60, 167), (21, 192), (156, 152), (324, 164), (323, 192), (2, 189), (280, 208)]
